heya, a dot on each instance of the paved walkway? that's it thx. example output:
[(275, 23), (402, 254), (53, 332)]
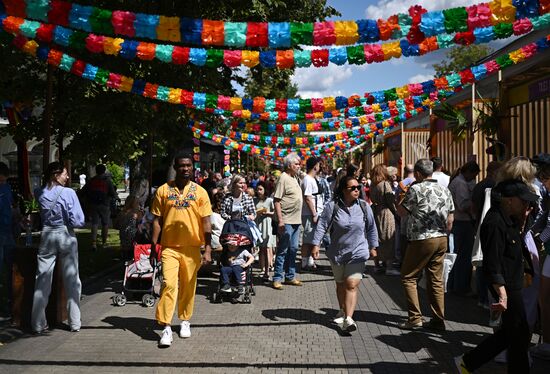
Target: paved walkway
[(281, 331)]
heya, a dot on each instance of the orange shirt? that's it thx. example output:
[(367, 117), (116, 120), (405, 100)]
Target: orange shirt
[(181, 213)]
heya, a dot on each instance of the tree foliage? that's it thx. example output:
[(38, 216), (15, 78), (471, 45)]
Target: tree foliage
[(461, 57), (105, 125)]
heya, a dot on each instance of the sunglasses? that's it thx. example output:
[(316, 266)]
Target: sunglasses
[(354, 188)]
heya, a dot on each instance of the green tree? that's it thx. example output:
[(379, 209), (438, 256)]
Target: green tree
[(461, 57), (105, 125)]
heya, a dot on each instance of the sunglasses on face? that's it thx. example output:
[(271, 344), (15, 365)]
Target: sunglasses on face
[(353, 188)]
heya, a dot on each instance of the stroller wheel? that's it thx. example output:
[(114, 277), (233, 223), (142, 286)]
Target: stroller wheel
[(246, 299), (119, 300), (252, 291), (216, 298), (148, 300)]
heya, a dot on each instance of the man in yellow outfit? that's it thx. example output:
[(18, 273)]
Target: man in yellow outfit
[(183, 208)]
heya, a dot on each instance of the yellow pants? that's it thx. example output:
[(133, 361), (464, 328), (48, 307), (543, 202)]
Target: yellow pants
[(179, 269)]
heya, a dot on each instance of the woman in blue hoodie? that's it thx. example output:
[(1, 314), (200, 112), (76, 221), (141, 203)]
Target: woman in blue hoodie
[(60, 212)]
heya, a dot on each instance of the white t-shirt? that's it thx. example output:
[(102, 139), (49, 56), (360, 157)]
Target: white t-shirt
[(310, 188), (82, 179), (441, 178)]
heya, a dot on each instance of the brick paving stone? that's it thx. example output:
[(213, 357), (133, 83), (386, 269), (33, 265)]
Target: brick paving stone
[(288, 331)]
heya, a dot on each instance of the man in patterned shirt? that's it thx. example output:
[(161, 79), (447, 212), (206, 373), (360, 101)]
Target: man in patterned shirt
[(429, 207)]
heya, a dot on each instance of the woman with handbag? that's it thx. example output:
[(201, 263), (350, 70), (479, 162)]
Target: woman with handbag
[(383, 206), (61, 213)]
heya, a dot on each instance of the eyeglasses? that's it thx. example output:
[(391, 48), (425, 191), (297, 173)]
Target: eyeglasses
[(354, 188)]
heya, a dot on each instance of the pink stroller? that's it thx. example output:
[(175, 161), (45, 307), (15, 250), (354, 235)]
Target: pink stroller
[(140, 277)]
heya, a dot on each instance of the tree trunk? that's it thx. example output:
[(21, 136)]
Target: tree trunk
[(47, 120)]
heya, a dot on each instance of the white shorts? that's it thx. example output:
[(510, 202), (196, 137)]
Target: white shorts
[(343, 272)]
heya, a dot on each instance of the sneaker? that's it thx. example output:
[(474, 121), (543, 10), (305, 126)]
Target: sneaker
[(226, 288), (483, 305), (393, 272), (166, 338), (42, 331), (541, 351), (461, 366), (75, 329), (407, 325), (277, 285), (435, 324), (349, 325), (339, 317), (185, 329), (293, 282)]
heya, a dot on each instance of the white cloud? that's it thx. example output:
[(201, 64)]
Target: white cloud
[(419, 78), (386, 8), (320, 82)]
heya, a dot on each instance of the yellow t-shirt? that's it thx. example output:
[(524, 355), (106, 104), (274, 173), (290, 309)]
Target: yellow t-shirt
[(181, 213)]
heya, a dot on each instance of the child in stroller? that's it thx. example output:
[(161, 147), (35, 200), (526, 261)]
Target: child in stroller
[(235, 262), (140, 277)]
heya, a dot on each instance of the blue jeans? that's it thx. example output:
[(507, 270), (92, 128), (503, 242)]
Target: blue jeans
[(461, 274), (7, 247), (286, 254), (226, 272)]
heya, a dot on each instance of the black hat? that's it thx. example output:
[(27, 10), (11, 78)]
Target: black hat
[(542, 159), (516, 188)]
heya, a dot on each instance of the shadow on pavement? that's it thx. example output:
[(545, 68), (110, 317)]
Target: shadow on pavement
[(143, 327), (306, 315)]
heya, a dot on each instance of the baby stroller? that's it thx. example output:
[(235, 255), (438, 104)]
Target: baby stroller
[(235, 232), (140, 277)]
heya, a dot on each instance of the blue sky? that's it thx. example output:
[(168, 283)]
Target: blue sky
[(352, 79)]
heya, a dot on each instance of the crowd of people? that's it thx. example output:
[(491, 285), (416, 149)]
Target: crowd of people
[(409, 226)]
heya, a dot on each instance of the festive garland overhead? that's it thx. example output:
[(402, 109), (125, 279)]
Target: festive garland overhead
[(282, 59), (334, 125), (317, 139), (415, 26), (278, 152), (199, 101)]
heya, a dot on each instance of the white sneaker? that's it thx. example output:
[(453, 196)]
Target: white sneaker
[(166, 338), (339, 318), (349, 325), (185, 329)]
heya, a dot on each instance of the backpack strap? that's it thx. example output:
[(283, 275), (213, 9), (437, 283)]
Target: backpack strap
[(363, 205), (335, 209)]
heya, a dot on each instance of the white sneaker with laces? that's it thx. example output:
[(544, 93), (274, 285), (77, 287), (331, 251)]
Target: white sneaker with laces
[(185, 329), (166, 338), (339, 318), (349, 325)]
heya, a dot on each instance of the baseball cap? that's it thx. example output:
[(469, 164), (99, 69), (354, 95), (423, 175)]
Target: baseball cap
[(516, 188)]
